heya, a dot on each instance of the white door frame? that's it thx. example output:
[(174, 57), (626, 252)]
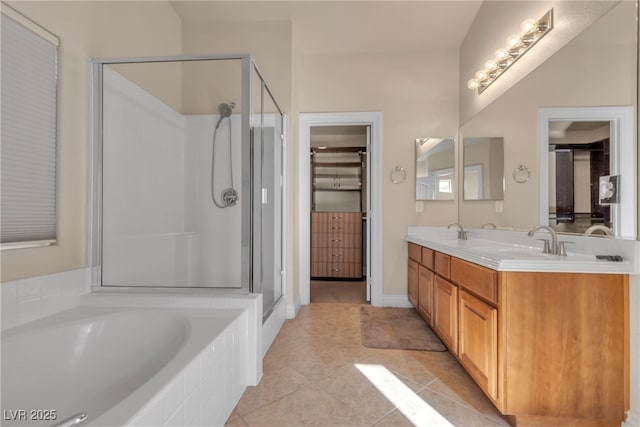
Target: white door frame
[(374, 213)]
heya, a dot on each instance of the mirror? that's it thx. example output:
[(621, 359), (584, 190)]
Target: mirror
[(483, 160), (435, 169), (584, 164), (596, 68)]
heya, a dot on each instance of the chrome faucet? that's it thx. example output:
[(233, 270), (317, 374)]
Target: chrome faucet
[(605, 230), (489, 225), (462, 235), (553, 247)]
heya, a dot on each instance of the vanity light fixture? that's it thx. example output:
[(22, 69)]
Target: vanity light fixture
[(530, 32)]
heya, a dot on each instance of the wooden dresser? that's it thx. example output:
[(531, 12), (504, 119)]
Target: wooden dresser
[(336, 244)]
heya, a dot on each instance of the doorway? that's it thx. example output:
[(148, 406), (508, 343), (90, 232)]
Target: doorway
[(339, 190), (344, 197)]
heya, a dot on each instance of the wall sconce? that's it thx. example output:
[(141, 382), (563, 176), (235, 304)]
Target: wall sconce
[(530, 32)]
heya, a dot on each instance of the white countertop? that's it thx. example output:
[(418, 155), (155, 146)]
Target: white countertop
[(515, 251)]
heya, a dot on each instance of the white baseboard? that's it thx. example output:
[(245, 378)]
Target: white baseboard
[(633, 419), (272, 325), (292, 310), (399, 300)]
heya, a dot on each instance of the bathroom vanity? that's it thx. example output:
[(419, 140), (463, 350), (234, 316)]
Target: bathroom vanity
[(547, 344)]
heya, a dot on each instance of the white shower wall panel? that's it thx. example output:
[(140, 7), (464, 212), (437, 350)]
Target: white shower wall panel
[(145, 236), (220, 228)]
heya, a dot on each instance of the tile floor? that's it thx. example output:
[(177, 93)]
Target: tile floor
[(338, 291), (314, 374)]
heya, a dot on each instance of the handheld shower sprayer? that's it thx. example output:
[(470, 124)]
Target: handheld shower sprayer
[(229, 195)]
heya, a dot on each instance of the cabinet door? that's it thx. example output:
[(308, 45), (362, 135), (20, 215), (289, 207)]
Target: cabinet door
[(412, 283), (445, 312), (425, 294), (478, 342)]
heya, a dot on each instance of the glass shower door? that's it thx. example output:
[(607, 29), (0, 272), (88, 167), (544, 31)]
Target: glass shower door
[(268, 140)]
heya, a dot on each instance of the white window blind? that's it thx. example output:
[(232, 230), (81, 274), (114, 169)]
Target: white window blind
[(29, 131)]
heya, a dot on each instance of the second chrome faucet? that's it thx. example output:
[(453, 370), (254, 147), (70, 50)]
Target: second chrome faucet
[(462, 235), (554, 247)]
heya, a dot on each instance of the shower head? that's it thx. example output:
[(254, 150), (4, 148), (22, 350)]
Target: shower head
[(225, 109)]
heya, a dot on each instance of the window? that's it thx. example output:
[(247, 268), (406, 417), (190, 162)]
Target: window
[(29, 133)]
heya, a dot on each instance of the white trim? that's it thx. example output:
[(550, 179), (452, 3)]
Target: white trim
[(28, 244), (374, 217), (29, 24), (292, 310), (399, 300), (272, 325), (633, 419), (622, 159)]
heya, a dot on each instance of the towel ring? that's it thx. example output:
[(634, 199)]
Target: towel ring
[(398, 175), (521, 174)]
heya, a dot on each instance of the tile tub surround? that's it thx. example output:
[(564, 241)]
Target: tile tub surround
[(26, 300), (580, 259)]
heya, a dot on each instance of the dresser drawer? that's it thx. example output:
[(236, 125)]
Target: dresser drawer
[(475, 278)]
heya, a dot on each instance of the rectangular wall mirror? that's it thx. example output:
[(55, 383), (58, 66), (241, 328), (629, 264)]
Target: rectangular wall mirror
[(483, 176), (435, 168)]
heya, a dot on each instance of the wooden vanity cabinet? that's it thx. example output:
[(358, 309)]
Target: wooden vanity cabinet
[(445, 312), (546, 348), (478, 342), (412, 282), (425, 294)]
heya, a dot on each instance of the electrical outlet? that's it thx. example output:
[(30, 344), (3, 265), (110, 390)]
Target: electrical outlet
[(419, 206), (499, 206)]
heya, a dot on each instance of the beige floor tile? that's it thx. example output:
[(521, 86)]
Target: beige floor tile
[(274, 384), (235, 421), (308, 406), (351, 386), (457, 385), (310, 378)]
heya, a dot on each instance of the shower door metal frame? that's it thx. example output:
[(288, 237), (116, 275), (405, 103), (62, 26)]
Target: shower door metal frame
[(95, 171)]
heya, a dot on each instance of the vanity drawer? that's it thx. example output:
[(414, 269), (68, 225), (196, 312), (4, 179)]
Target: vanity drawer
[(415, 252), (477, 279), (427, 258), (442, 264)]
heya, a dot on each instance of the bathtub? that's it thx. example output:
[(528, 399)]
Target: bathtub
[(124, 366)]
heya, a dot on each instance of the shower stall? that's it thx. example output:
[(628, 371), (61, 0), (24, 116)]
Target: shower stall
[(187, 176)]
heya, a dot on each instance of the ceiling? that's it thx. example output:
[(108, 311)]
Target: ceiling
[(340, 27)]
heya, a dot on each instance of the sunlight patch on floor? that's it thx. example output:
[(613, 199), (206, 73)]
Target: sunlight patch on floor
[(417, 411)]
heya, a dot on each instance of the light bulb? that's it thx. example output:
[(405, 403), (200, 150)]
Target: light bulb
[(528, 26), (490, 65), (513, 41), (481, 75), (473, 84), (501, 54)]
